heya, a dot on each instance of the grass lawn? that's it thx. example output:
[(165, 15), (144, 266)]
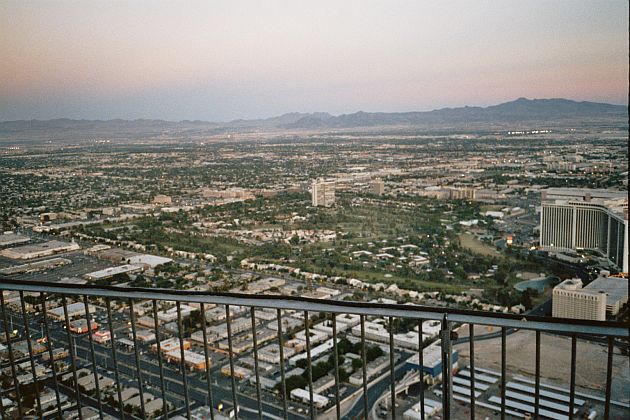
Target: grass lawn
[(472, 244)]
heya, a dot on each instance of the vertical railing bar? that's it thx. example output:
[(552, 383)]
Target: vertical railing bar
[(420, 367), (7, 334), (182, 362), (50, 353), (336, 359), (204, 333), (537, 383), (309, 367), (283, 386), (257, 374), (72, 357), (137, 356), (364, 368), (471, 337), (231, 356), (2, 413), (446, 367), (391, 366), (503, 371), (94, 367), (609, 366), (158, 346), (29, 345), (573, 363), (114, 358)]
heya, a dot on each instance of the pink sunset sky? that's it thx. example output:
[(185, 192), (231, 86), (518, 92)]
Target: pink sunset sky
[(221, 60)]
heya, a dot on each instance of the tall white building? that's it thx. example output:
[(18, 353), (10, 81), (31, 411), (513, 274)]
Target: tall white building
[(323, 193), (577, 218)]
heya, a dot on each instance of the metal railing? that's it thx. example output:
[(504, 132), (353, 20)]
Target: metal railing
[(60, 388)]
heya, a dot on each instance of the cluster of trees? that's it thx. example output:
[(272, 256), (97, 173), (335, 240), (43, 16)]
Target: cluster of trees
[(323, 367), (508, 296)]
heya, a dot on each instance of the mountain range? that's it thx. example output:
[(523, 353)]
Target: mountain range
[(521, 110)]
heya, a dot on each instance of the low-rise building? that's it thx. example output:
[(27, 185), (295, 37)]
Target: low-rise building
[(193, 360), (27, 252), (74, 310), (271, 353), (303, 395)]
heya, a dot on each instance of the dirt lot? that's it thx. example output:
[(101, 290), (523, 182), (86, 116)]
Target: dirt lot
[(555, 361)]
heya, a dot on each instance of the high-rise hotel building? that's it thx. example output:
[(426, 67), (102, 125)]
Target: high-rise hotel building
[(577, 218), (323, 193)]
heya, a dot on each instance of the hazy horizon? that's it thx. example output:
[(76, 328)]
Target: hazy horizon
[(294, 112), (222, 61)]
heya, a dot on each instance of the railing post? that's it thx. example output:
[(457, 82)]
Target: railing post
[(309, 366), (392, 368), (132, 314), (49, 345), (255, 353), (114, 360), (9, 339), (537, 383), (228, 324), (364, 368), (336, 358), (609, 366), (92, 352), (182, 355), (158, 346), (445, 342), (503, 370), (29, 344), (421, 367), (283, 383), (471, 338)]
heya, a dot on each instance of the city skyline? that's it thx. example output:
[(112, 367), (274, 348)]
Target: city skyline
[(243, 60)]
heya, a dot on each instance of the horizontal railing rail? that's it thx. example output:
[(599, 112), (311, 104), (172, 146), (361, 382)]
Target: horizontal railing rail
[(180, 391), (499, 319)]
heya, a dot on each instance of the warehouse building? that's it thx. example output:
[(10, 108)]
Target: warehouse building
[(432, 362), (74, 310), (44, 249)]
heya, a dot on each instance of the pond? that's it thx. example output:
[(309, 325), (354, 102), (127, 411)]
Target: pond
[(538, 284)]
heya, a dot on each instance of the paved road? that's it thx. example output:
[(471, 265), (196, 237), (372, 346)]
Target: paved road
[(376, 390), (149, 368)]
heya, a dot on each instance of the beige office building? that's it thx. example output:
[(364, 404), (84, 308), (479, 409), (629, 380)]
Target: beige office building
[(323, 193), (570, 300), (378, 186)]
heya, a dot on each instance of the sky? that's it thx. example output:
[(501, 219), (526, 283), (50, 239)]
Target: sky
[(221, 60)]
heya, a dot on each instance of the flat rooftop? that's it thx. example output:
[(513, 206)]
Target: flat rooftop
[(12, 239), (112, 271), (35, 249), (615, 288), (573, 193)]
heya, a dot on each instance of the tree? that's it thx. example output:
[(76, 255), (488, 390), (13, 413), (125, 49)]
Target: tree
[(374, 353), (293, 382), (344, 376)]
